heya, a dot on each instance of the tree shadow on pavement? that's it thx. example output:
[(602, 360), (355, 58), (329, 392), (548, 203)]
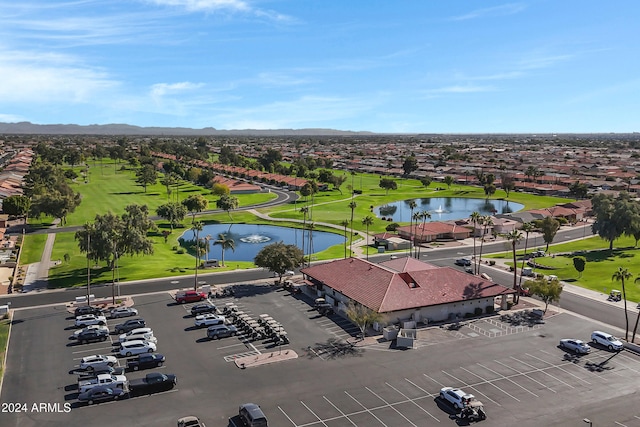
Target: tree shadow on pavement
[(334, 348)]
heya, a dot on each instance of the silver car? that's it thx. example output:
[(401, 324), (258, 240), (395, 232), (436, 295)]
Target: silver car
[(123, 312), (574, 345)]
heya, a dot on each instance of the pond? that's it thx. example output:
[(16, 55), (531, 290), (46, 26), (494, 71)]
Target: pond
[(249, 239), (446, 208)]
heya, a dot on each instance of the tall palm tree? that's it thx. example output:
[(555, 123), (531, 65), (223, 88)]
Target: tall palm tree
[(310, 227), (423, 216), (196, 227), (514, 237), (345, 223), (486, 222), (621, 275), (475, 219), (412, 206), (206, 248), (367, 221), (352, 206), (414, 230), (527, 228), (225, 243), (304, 210)]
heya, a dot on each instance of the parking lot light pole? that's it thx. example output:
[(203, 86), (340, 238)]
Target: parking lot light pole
[(588, 421)]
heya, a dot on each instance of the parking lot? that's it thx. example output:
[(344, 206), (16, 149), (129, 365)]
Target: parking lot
[(332, 383)]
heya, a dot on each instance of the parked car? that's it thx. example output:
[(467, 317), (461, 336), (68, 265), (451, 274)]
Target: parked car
[(102, 380), (87, 309), (221, 331), (92, 335), (252, 416), (138, 332), (465, 262), (101, 394), (89, 328), (455, 396), (145, 361), (208, 319), (90, 319), (607, 340), (286, 273), (190, 296), (129, 348), (97, 361), (203, 308), (190, 421), (575, 345), (152, 383), (123, 312), (130, 325), (85, 375)]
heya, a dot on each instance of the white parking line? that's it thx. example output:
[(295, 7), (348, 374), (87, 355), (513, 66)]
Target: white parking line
[(491, 383), (391, 406), (419, 388), (544, 370), (556, 366), (339, 410), (413, 401), (365, 408), (440, 384), (285, 414), (313, 413), (478, 391), (620, 424), (532, 379)]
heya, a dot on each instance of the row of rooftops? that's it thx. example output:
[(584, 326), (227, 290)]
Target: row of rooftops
[(13, 173)]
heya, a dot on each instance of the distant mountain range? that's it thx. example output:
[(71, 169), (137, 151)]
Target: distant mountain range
[(27, 128)]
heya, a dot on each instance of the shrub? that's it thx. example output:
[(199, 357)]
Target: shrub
[(468, 315), (477, 311), (174, 248), (392, 227), (180, 251), (357, 191), (490, 309)]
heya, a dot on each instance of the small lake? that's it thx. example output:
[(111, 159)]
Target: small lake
[(251, 238), (446, 208)]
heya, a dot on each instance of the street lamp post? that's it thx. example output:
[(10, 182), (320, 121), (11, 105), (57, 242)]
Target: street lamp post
[(588, 421)]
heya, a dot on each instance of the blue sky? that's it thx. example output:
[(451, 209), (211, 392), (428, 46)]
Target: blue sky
[(374, 65)]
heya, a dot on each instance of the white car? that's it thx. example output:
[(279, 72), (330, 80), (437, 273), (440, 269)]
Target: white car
[(144, 336), (90, 319), (135, 332), (97, 361), (574, 345), (129, 348), (286, 273), (89, 328), (607, 340), (209, 319), (123, 312), (456, 397)]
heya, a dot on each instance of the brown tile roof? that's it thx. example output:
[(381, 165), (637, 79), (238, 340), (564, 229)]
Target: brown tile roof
[(400, 284)]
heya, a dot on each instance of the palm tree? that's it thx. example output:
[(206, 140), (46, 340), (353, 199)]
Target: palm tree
[(225, 243), (208, 239), (196, 227), (310, 227), (423, 216), (304, 210), (412, 206), (635, 328), (352, 206), (514, 237), (367, 221), (475, 219), (527, 227), (620, 276), (486, 222), (345, 223), (414, 230)]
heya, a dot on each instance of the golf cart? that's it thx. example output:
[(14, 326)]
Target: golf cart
[(615, 295), (323, 307), (473, 411)]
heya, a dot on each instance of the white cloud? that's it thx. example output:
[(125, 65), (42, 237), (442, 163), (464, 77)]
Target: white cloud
[(11, 118), (461, 89), (42, 77), (233, 6), (502, 10), (161, 89)]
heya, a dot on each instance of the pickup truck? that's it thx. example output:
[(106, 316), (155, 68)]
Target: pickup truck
[(152, 383), (113, 381)]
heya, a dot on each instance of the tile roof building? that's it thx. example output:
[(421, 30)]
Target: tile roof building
[(404, 288)]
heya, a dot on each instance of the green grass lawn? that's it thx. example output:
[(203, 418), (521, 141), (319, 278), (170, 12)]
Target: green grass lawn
[(601, 264), (31, 249)]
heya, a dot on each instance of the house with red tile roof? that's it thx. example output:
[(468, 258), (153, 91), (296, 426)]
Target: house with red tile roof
[(432, 231), (404, 288)]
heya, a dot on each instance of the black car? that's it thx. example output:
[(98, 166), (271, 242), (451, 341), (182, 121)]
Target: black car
[(86, 309), (152, 383), (145, 361), (130, 325), (93, 335), (101, 394), (203, 308)]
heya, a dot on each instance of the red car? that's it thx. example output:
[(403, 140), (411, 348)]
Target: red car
[(190, 296)]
